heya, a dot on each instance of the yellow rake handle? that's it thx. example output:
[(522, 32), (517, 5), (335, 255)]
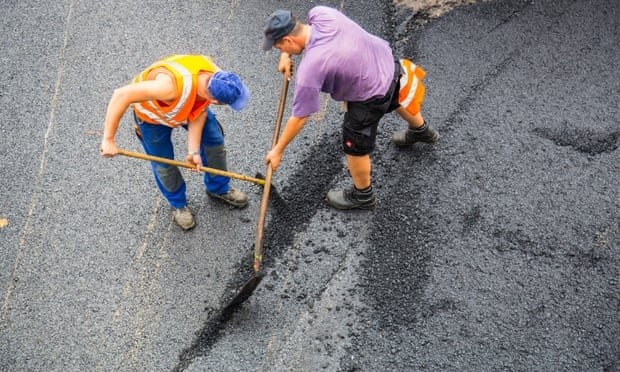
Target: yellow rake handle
[(218, 172)]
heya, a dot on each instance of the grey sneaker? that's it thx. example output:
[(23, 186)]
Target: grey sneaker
[(351, 199), (184, 218), (233, 197), (410, 136)]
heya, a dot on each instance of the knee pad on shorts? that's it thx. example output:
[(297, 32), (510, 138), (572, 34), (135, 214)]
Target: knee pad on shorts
[(356, 143)]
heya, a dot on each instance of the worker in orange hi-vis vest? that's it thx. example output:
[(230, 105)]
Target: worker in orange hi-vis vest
[(176, 93)]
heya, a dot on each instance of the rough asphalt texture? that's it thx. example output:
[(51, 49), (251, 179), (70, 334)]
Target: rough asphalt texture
[(498, 248)]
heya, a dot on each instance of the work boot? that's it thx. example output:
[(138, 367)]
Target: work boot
[(410, 136), (233, 197), (184, 218), (351, 198)]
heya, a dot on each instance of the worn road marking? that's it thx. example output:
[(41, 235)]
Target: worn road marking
[(34, 200)]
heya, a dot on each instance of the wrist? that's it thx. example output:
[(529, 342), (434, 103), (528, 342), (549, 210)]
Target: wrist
[(193, 152)]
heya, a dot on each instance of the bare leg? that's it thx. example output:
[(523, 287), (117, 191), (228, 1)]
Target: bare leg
[(415, 121), (359, 167), (418, 130), (361, 195)]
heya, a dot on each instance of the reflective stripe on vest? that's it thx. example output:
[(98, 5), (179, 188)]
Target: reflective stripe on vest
[(168, 118), (184, 69), (409, 82)]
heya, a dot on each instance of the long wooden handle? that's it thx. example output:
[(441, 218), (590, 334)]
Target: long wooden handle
[(258, 243), (219, 172)]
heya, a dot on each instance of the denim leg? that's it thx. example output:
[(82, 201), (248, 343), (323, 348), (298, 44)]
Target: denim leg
[(213, 154), (156, 141)]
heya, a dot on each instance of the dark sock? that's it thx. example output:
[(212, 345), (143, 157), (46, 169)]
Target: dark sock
[(365, 191), (420, 129)]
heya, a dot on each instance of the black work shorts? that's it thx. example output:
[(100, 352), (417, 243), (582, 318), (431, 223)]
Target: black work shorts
[(359, 129)]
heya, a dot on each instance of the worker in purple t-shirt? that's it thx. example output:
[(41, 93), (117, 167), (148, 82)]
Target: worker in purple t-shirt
[(353, 66)]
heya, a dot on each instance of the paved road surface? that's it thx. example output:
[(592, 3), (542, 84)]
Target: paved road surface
[(497, 248)]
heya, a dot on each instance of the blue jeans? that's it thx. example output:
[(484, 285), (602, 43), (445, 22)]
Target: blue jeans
[(156, 140)]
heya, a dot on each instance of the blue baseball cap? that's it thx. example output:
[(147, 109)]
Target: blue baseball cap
[(226, 87), (279, 24)]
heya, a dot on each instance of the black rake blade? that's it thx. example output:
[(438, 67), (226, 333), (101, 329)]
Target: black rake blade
[(245, 292)]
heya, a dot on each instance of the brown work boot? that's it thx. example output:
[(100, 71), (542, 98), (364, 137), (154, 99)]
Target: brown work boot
[(233, 197), (410, 136), (184, 218)]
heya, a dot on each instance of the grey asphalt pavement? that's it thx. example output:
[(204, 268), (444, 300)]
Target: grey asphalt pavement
[(498, 248)]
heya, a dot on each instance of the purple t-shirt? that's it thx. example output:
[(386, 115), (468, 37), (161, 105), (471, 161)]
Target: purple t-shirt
[(341, 59)]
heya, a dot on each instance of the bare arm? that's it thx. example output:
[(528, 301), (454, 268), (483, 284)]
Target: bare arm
[(194, 134), (162, 88), (292, 128)]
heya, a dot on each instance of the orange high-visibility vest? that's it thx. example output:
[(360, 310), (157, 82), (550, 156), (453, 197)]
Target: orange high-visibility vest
[(185, 69), (411, 94)]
